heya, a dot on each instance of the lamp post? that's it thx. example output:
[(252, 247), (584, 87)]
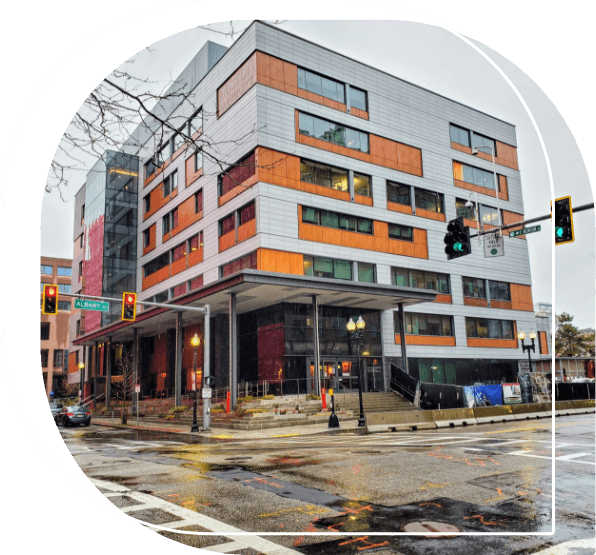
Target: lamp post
[(521, 335), (492, 152), (82, 376), (356, 333), (195, 342)]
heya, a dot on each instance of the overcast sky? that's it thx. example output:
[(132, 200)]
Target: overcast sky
[(444, 63)]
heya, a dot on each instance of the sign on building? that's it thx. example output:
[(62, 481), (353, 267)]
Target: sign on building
[(493, 245)]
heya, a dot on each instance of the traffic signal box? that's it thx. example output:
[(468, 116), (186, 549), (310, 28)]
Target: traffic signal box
[(50, 299), (457, 239), (129, 307), (563, 221)]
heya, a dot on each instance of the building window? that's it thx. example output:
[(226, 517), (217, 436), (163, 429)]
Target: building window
[(147, 203), (64, 271), (358, 99), (489, 329), (199, 201), (473, 176), (42, 284), (150, 167), (426, 324), (401, 232), (195, 283), (58, 358), (327, 268), (499, 291), (44, 358), (179, 252), (428, 200), (156, 264), (82, 214), (177, 142), (45, 331), (362, 185), (247, 213), (322, 86), (474, 287), (396, 192), (198, 160), (64, 305), (46, 270), (326, 176), (195, 123), (421, 280), (479, 141), (64, 288), (459, 135), (248, 261), (366, 272), (335, 220), (463, 212), (334, 133), (165, 152), (178, 290), (237, 174), (80, 270), (146, 237), (170, 183), (196, 242), (169, 221), (227, 224), (489, 215), (80, 327), (81, 239)]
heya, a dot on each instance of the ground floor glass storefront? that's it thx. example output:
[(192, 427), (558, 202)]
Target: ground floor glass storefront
[(465, 371)]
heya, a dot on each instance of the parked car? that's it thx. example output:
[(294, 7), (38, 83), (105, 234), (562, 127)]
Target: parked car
[(55, 408), (74, 415)]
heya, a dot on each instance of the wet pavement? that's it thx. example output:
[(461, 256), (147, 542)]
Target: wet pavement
[(344, 493)]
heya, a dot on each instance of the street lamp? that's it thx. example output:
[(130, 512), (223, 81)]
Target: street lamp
[(492, 152), (195, 342), (356, 333), (82, 377), (521, 335)]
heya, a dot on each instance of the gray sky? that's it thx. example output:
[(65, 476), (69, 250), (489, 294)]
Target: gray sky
[(439, 61)]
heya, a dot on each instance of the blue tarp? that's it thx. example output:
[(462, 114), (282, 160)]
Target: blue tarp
[(484, 394)]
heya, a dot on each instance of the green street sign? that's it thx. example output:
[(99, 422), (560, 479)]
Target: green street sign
[(92, 305), (524, 231)]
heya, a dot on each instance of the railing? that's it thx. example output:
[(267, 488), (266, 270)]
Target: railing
[(404, 384), (348, 392)]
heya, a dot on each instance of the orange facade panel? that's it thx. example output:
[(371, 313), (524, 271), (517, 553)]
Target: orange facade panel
[(501, 304), (270, 260), (227, 241), (430, 215), (151, 245), (492, 343), (511, 218), (521, 297), (178, 266), (396, 207), (543, 343), (447, 299), (426, 340), (247, 230), (156, 277), (473, 301), (195, 257), (359, 199), (506, 154), (190, 173)]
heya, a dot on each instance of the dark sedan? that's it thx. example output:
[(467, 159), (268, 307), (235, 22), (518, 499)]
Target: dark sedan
[(55, 408), (75, 415)]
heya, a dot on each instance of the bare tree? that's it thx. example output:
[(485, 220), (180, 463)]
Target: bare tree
[(117, 106), (123, 382)]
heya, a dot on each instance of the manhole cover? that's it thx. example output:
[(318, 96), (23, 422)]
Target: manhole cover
[(238, 459), (430, 526), (365, 452)]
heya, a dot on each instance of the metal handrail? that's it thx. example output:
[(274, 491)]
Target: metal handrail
[(346, 390)]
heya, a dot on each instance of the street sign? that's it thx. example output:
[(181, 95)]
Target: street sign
[(207, 393), (493, 245), (524, 231), (137, 389), (86, 304)]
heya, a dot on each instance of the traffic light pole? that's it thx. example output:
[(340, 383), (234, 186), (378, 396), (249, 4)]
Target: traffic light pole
[(531, 221)]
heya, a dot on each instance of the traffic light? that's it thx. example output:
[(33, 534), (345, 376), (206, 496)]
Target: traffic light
[(50, 299), (457, 240), (563, 221), (129, 307), (209, 381)]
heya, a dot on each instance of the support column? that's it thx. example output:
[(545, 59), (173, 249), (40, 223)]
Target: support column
[(135, 363), (87, 369), (351, 184), (315, 323), (402, 336), (95, 373), (178, 361), (107, 352), (207, 367), (487, 289), (233, 340)]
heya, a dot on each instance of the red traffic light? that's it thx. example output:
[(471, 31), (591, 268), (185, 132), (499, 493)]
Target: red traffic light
[(129, 307), (130, 299), (51, 292), (49, 303)]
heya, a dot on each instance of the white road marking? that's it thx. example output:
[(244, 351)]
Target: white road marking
[(562, 458), (186, 517), (568, 548)]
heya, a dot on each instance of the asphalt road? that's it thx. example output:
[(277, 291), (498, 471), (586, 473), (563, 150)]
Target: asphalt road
[(342, 494)]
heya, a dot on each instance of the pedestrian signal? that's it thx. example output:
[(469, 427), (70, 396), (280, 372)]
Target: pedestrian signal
[(457, 239), (129, 307), (50, 299), (563, 221)]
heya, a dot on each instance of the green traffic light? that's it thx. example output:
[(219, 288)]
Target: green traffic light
[(458, 247), (559, 231)]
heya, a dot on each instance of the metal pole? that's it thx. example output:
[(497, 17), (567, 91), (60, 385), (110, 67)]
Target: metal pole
[(317, 376), (402, 337), (95, 371), (233, 370), (107, 349), (206, 368), (361, 421), (195, 425), (178, 362), (135, 347)]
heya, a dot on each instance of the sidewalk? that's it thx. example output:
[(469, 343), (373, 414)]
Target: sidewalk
[(224, 433)]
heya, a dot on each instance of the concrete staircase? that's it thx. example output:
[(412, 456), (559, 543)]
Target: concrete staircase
[(374, 402)]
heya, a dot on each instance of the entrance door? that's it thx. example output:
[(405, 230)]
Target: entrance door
[(338, 374)]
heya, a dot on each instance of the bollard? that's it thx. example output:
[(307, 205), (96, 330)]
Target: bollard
[(228, 402), (333, 420), (323, 399)]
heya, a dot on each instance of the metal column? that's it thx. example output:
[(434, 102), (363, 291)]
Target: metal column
[(207, 367), (107, 348), (233, 373), (315, 305), (95, 373), (402, 337), (135, 363), (85, 372), (178, 362)]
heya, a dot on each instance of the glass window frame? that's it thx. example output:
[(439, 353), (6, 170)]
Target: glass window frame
[(328, 130), (367, 266), (395, 185), (400, 238), (431, 201), (459, 129), (363, 176), (478, 286), (317, 85), (44, 269), (364, 93)]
